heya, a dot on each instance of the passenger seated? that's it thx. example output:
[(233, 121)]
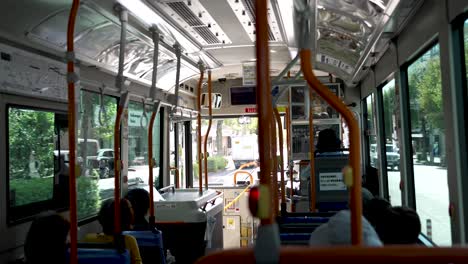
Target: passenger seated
[(337, 231), (106, 219), (46, 241), (328, 141), (400, 225), (140, 200), (374, 210), (394, 225)]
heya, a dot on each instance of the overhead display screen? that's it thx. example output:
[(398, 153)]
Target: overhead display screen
[(243, 95)]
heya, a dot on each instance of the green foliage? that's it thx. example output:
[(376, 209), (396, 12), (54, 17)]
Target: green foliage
[(195, 170), (30, 130), (425, 90), (32, 190), (216, 163), (88, 199)]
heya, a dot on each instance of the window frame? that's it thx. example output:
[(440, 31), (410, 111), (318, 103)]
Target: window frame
[(367, 135), (460, 95), (92, 217), (409, 182), (20, 214)]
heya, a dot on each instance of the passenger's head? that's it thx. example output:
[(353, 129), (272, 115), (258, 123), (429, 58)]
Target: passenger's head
[(46, 241), (338, 232), (106, 216), (140, 202), (328, 141), (375, 209), (400, 225)]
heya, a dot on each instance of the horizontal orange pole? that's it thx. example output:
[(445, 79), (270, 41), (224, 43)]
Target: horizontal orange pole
[(340, 255)]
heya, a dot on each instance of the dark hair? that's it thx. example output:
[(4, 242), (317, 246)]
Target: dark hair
[(140, 202), (328, 141), (375, 209), (46, 241), (106, 216), (400, 225)]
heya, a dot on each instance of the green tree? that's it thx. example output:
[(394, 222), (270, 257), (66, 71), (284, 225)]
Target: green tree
[(28, 131)]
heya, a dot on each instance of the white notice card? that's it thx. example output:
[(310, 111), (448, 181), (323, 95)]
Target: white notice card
[(331, 181)]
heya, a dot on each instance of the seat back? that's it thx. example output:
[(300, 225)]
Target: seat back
[(150, 243), (102, 256), (331, 192)]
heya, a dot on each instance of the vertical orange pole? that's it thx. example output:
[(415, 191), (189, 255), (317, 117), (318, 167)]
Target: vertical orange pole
[(312, 196), (281, 167), (265, 133), (354, 153), (151, 166), (199, 138), (71, 133), (210, 113)]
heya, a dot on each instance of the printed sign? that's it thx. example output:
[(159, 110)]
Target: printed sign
[(233, 207), (249, 74), (332, 181), (230, 223), (166, 206)]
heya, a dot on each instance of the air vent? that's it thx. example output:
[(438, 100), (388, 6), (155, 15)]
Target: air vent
[(245, 13), (196, 20), (207, 35), (250, 8), (184, 12)]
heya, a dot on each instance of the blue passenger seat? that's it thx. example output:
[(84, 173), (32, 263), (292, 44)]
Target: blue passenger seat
[(102, 256), (150, 244)]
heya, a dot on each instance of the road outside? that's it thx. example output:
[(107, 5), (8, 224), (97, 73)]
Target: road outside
[(432, 199)]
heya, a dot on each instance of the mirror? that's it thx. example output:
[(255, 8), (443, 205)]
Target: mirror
[(216, 100)]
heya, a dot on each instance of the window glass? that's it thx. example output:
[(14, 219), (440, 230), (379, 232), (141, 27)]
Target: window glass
[(95, 151), (172, 150), (138, 125), (31, 145), (428, 144), (390, 111), (232, 142), (371, 134)]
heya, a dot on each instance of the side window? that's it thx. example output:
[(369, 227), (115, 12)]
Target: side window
[(392, 145), (32, 140), (371, 131), (138, 124), (428, 144), (95, 151)]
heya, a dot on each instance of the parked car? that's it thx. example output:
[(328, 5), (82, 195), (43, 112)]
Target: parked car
[(393, 157)]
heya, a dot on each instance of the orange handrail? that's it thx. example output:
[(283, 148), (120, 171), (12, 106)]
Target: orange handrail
[(340, 255), (265, 134), (176, 176), (199, 138), (354, 155), (151, 166), (71, 128), (280, 134), (210, 113), (252, 163), (243, 172), (312, 197)]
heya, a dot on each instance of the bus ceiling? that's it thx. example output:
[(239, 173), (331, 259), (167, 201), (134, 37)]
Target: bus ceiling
[(346, 38)]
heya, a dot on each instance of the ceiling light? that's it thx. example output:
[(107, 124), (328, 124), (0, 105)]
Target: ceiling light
[(273, 51), (286, 12)]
